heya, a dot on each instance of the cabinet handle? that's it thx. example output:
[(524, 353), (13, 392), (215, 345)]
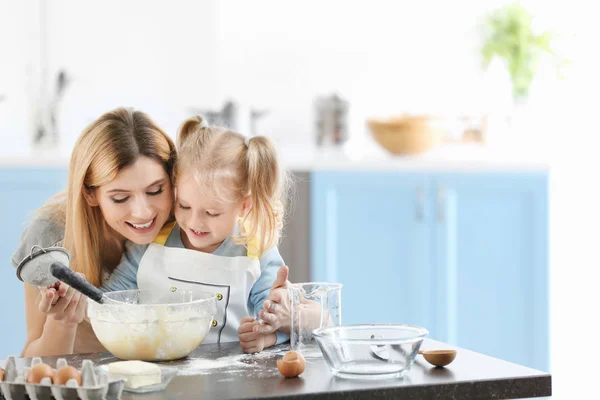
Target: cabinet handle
[(441, 204), (420, 203)]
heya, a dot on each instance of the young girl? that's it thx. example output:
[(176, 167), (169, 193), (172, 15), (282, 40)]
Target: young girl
[(228, 213)]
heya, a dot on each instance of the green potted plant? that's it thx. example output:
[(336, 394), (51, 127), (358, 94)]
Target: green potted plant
[(508, 34)]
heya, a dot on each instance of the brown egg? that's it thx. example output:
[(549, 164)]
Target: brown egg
[(1, 374), (39, 372), (66, 373), (292, 364)]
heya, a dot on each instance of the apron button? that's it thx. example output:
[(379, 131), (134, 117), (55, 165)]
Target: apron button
[(173, 289), (214, 323), (219, 296)]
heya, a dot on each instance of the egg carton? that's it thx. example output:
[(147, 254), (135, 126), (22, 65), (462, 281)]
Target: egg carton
[(96, 385)]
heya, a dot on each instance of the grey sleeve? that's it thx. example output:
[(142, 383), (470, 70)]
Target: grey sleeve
[(124, 277), (41, 232)]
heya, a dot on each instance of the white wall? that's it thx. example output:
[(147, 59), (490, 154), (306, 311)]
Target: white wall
[(166, 57), (13, 72), (154, 55), (384, 56), (575, 205)]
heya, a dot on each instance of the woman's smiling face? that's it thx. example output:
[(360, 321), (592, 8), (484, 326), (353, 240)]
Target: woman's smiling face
[(137, 203)]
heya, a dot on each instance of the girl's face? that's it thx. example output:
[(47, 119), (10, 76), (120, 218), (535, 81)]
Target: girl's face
[(137, 203), (205, 222)]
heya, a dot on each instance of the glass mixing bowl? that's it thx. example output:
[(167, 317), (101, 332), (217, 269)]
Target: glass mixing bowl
[(370, 351), (152, 326)]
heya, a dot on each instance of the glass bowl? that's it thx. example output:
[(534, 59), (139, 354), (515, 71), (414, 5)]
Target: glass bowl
[(370, 351), (152, 326)]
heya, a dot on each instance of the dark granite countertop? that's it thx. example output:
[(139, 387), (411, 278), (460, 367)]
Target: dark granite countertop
[(223, 372)]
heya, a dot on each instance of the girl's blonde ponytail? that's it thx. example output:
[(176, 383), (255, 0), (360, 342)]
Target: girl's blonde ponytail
[(265, 187), (188, 128)]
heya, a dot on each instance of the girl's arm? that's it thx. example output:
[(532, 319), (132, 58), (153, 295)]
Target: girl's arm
[(124, 277), (270, 263)]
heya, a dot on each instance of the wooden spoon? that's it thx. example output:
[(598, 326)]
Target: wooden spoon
[(439, 358)]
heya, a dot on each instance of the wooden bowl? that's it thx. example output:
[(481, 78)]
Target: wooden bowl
[(408, 134)]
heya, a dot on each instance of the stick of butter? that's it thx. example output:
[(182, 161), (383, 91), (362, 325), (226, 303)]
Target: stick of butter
[(136, 373)]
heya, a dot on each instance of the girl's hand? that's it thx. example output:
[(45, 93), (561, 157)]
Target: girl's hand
[(276, 315), (251, 341)]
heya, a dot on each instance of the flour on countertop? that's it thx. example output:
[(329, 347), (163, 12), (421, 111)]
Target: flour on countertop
[(240, 363), (201, 366)]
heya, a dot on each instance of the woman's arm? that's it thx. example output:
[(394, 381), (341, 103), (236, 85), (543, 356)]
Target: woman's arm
[(52, 333), (51, 314)]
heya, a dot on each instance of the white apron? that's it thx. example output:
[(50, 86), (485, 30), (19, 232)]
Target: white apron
[(230, 279)]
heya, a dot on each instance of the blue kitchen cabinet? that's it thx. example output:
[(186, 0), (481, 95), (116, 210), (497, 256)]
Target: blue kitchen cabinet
[(23, 191), (491, 264), (464, 255), (370, 232)]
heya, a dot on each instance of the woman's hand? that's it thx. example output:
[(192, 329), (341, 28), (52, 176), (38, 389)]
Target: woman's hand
[(50, 295), (62, 303), (52, 315)]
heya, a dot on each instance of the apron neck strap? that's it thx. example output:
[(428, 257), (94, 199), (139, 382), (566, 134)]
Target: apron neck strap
[(164, 233)]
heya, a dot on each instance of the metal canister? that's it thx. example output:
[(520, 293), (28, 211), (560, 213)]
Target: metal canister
[(331, 120)]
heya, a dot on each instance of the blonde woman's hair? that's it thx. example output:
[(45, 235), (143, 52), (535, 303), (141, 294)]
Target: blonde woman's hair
[(234, 168), (109, 144)]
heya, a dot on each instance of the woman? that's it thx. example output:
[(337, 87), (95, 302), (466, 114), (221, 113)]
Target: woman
[(119, 188)]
